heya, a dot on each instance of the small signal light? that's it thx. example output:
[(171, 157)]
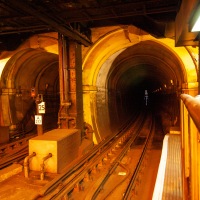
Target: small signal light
[(33, 92)]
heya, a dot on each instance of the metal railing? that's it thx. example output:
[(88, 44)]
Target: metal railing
[(193, 106)]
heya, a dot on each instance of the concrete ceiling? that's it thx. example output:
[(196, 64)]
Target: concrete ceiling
[(19, 19)]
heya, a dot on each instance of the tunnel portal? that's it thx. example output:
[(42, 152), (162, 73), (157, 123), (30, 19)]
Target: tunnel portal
[(144, 66), (30, 70)]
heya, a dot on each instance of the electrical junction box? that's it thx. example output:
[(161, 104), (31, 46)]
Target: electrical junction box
[(63, 144)]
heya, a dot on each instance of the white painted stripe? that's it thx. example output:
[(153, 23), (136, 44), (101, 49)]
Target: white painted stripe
[(158, 189)]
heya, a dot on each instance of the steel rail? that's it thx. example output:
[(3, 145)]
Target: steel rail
[(132, 182), (68, 185), (13, 152), (77, 164), (15, 159), (85, 163), (111, 170), (88, 168), (116, 163)]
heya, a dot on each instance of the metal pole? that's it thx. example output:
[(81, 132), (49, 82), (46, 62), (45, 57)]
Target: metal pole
[(63, 72), (64, 82), (60, 45)]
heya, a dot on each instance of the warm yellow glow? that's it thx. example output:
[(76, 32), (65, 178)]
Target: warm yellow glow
[(2, 64), (98, 58), (52, 49)]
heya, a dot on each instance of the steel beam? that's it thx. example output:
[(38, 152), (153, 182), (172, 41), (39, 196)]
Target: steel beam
[(17, 4)]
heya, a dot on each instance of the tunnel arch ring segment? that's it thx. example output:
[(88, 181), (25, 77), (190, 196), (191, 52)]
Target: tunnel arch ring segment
[(97, 55), (103, 53), (163, 67)]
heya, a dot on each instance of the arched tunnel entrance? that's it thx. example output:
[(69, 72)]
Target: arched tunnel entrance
[(27, 70), (122, 78), (144, 75)]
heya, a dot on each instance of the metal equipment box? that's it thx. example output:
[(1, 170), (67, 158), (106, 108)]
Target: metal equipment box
[(63, 144)]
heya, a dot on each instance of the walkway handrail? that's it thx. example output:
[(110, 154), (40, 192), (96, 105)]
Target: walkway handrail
[(193, 106)]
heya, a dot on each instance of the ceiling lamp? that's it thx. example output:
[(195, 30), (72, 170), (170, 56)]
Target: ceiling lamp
[(195, 20)]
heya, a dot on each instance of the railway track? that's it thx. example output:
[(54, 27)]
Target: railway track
[(14, 151), (111, 170), (89, 177), (17, 149)]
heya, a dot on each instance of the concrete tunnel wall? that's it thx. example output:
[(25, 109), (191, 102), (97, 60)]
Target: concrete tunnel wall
[(114, 63), (110, 67), (27, 69)]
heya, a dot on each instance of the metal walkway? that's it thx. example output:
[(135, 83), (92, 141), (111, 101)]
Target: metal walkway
[(169, 179)]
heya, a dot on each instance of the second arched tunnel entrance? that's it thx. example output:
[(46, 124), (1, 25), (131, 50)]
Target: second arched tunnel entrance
[(30, 71)]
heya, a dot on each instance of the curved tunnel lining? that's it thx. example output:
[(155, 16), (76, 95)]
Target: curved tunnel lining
[(162, 72), (26, 69)]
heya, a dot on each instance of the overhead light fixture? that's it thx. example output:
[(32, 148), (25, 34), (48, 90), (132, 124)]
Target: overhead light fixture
[(195, 20), (196, 27)]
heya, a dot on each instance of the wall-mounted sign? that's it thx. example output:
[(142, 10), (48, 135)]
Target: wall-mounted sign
[(38, 119), (41, 107)]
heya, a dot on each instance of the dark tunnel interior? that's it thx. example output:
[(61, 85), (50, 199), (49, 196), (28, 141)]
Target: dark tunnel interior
[(139, 89), (143, 80)]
